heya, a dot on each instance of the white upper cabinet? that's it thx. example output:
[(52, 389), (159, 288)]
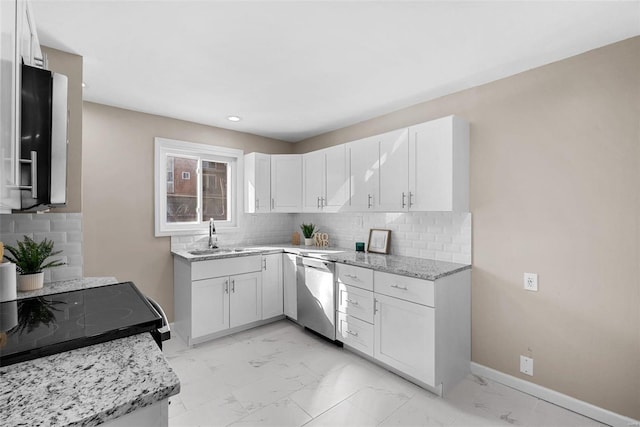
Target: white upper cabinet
[(9, 108), (257, 181), (393, 171), (439, 165), (325, 182), (313, 176), (286, 183), (364, 158), (30, 50)]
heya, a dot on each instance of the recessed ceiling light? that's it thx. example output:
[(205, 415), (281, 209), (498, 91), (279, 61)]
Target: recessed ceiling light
[(84, 84), (234, 118)]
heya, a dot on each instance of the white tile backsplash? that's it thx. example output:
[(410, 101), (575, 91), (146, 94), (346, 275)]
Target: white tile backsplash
[(443, 236), (64, 229)]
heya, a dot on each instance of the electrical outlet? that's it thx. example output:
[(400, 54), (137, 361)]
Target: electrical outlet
[(531, 282), (526, 365)]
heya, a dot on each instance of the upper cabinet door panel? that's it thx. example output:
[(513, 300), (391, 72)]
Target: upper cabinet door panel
[(313, 178), (393, 172), (439, 165), (363, 170), (337, 179), (257, 179), (286, 183)]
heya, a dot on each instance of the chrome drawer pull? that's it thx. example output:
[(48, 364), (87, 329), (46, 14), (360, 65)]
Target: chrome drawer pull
[(400, 287), (352, 302), (226, 286), (351, 276), (375, 306), (355, 334)]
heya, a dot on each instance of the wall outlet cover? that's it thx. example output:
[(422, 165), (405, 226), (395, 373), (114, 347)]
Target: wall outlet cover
[(526, 365), (531, 282)]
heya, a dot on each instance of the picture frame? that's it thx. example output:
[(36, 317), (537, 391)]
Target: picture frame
[(379, 240)]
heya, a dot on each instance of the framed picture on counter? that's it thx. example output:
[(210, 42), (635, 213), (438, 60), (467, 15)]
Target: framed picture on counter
[(379, 241)]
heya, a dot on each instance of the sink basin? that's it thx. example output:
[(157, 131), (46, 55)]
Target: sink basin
[(219, 251)]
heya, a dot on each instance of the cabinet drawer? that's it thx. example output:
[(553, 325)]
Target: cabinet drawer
[(355, 302), (225, 267), (355, 276), (356, 333), (406, 288)]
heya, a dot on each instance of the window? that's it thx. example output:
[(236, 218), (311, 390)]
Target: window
[(195, 182)]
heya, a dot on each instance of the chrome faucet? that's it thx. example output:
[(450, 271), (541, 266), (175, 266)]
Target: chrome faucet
[(212, 231)]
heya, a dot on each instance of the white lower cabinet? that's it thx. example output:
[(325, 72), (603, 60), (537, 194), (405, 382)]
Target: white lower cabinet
[(289, 279), (210, 306), (418, 328), (216, 297), (245, 299), (272, 282), (404, 337)]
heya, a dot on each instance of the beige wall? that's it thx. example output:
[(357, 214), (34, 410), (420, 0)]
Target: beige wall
[(71, 66), (118, 193), (555, 178)]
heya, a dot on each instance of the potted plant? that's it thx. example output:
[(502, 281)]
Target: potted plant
[(308, 231), (29, 258)]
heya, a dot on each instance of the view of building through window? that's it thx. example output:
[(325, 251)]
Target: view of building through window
[(182, 190)]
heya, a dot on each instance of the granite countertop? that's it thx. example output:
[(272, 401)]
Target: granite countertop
[(89, 385), (427, 269)]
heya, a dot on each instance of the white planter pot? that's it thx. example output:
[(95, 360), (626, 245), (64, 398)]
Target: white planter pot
[(30, 282), (309, 242)]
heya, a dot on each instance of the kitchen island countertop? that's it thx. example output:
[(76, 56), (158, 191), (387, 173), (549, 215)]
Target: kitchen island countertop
[(86, 386)]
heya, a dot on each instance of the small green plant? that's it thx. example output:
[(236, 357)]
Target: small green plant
[(29, 256), (308, 230)]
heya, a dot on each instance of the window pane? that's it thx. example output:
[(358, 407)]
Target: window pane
[(214, 191), (182, 189)]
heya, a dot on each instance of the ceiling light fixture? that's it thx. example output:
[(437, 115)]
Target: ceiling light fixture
[(234, 118), (84, 84)]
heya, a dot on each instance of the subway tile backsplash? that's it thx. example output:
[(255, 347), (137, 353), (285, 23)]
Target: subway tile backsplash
[(64, 229), (443, 236)]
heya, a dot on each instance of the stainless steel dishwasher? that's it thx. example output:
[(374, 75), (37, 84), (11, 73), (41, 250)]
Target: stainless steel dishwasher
[(316, 295)]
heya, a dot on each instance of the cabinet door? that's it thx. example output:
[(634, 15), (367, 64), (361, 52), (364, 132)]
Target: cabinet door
[(245, 299), (439, 165), (272, 299), (209, 306), (363, 167), (393, 171), (257, 183), (9, 106), (337, 179), (405, 337), (286, 183), (313, 178), (290, 289)]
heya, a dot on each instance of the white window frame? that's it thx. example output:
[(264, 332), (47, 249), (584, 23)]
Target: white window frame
[(235, 158)]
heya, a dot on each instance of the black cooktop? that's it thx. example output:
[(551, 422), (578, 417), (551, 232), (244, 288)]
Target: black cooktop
[(40, 326)]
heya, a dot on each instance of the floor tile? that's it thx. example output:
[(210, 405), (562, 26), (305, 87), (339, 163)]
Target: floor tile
[(282, 375), (283, 413)]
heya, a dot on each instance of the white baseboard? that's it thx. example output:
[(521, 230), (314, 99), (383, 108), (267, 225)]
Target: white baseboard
[(581, 407)]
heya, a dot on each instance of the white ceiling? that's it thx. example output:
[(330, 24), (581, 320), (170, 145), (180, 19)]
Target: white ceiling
[(295, 69)]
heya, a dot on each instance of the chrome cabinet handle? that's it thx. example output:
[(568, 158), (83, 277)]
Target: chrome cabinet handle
[(403, 288), (264, 263), (322, 203), (226, 286), (352, 302), (369, 202), (273, 203), (351, 276), (257, 203), (375, 306), (410, 199), (233, 286), (404, 196), (355, 334), (318, 202)]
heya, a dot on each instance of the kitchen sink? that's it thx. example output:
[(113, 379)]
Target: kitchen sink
[(220, 251)]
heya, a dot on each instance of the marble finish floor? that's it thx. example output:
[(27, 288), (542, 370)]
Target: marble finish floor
[(282, 375)]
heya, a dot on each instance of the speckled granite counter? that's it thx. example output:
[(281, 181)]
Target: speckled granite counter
[(68, 285), (421, 268), (89, 385)]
